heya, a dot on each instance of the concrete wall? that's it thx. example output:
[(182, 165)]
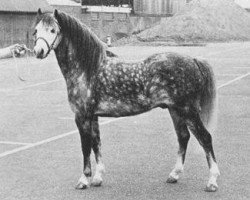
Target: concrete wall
[(16, 28)]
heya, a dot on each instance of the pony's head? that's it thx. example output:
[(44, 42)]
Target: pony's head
[(68, 37), (46, 34)]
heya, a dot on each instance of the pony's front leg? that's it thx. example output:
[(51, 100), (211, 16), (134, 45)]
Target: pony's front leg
[(96, 145), (84, 127)]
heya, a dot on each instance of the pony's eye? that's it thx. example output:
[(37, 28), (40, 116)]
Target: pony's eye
[(53, 31)]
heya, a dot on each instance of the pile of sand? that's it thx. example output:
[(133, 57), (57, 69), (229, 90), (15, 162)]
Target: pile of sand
[(203, 21)]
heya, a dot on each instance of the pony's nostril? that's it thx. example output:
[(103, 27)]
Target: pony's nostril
[(39, 54)]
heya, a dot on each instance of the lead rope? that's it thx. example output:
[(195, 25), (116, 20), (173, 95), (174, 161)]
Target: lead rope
[(26, 49)]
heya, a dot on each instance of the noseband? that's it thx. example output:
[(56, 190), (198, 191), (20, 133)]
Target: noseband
[(50, 47)]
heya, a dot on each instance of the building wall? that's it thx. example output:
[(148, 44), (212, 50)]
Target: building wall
[(178, 5), (103, 24), (114, 24), (75, 11), (16, 28), (158, 7), (149, 7)]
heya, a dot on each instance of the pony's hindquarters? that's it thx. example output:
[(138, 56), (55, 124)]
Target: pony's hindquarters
[(193, 116), (206, 119)]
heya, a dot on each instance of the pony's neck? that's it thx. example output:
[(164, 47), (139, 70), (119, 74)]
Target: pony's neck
[(80, 49), (70, 64), (66, 58)]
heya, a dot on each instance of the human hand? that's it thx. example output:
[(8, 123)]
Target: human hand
[(18, 49)]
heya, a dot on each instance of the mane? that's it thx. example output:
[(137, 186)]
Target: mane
[(88, 47)]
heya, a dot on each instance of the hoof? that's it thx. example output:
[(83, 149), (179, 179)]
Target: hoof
[(96, 182), (171, 180), (81, 186), (211, 188), (97, 179), (83, 183)]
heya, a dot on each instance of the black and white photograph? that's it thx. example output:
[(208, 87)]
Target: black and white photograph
[(125, 99)]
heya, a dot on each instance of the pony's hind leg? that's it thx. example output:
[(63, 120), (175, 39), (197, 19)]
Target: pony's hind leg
[(96, 146), (183, 138), (84, 127), (197, 127)]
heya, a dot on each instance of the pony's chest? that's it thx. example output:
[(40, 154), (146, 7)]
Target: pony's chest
[(78, 94)]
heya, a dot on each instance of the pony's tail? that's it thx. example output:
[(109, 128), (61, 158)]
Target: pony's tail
[(208, 98)]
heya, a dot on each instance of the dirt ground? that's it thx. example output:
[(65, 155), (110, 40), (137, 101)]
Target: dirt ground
[(40, 154)]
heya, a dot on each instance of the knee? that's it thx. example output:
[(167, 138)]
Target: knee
[(208, 138), (184, 136)]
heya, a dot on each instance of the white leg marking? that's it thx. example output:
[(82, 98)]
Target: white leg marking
[(214, 170), (178, 169), (83, 182), (212, 185), (100, 170)]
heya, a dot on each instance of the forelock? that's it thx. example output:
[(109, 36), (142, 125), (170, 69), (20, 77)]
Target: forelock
[(47, 20)]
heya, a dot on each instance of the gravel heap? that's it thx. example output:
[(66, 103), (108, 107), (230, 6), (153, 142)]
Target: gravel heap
[(203, 21)]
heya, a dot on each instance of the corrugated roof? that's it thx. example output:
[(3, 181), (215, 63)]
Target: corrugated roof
[(30, 6)]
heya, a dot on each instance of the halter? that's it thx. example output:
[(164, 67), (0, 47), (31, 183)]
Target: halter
[(50, 47)]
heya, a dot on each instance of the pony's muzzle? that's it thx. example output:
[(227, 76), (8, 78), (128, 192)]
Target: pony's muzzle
[(41, 48), (39, 53)]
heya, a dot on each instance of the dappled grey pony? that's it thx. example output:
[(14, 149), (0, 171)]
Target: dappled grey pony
[(100, 84)]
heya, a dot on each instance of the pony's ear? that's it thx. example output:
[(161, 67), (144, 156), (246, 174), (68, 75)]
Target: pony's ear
[(39, 12), (56, 13)]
